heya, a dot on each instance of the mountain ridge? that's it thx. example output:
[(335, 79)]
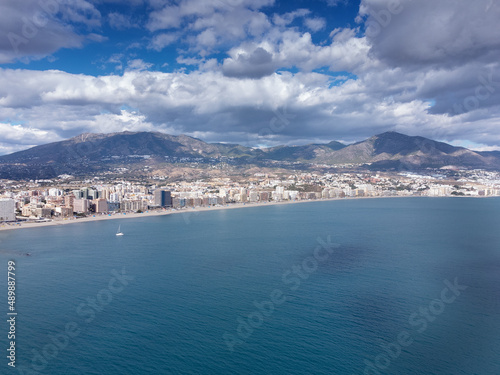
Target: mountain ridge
[(90, 153)]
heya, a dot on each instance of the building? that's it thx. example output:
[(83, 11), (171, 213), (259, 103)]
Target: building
[(113, 206), (134, 205), (68, 200), (64, 211), (101, 205), (253, 196), (43, 212), (55, 192), (89, 193), (7, 209), (179, 202), (264, 196), (81, 205), (162, 198), (26, 211)]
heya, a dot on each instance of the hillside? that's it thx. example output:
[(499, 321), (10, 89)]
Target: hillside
[(88, 154)]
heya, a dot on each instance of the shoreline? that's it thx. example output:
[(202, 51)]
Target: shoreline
[(163, 212)]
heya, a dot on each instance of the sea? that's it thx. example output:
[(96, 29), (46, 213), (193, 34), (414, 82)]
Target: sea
[(365, 286)]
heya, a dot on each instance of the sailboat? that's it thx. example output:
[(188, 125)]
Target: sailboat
[(119, 233)]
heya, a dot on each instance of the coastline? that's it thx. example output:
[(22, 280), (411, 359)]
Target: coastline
[(150, 213), (134, 215)]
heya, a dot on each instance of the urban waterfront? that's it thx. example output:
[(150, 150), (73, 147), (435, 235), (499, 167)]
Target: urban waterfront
[(387, 286)]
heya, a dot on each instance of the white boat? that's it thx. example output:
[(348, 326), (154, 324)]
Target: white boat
[(119, 233)]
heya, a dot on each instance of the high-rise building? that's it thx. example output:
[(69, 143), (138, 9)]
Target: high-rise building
[(101, 205), (84, 193), (68, 200), (163, 198), (7, 209), (81, 205), (134, 205)]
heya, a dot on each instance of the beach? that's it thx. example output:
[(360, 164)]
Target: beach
[(151, 213), (170, 211)]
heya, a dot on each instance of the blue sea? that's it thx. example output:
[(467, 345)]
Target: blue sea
[(371, 286)]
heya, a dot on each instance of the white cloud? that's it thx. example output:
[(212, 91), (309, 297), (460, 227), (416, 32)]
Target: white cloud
[(120, 21), (334, 3), (315, 24), (207, 24), (16, 137), (160, 41), (31, 30), (429, 70), (79, 12), (227, 109), (257, 64), (138, 64), (427, 32), (288, 18), (290, 48)]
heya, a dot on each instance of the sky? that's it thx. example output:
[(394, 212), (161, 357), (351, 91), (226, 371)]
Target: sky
[(253, 72)]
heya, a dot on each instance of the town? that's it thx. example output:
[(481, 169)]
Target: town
[(69, 198)]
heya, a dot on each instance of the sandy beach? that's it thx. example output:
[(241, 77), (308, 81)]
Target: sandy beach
[(151, 213), (185, 211)]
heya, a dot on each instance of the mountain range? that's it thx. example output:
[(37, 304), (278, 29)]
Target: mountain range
[(88, 154)]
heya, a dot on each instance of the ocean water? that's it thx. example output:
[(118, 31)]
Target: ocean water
[(374, 286)]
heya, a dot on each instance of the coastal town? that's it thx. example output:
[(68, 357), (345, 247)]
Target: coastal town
[(67, 198)]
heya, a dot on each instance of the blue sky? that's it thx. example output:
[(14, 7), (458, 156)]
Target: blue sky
[(254, 72), (125, 34)]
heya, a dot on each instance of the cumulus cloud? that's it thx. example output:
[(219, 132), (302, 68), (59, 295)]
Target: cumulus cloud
[(16, 137), (288, 18), (160, 41), (257, 64), (138, 64), (226, 109), (443, 33), (210, 23), (426, 68), (36, 29), (290, 48), (315, 24), (447, 52)]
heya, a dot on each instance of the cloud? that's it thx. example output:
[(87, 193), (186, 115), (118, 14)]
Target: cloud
[(79, 12), (160, 41), (120, 21), (207, 24), (290, 48), (16, 137), (228, 109), (429, 69), (288, 18), (34, 30), (256, 64), (428, 33), (315, 24), (334, 3), (445, 52), (138, 64), (166, 18)]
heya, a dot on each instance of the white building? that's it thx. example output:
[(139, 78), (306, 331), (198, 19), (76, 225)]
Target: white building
[(55, 192), (7, 209)]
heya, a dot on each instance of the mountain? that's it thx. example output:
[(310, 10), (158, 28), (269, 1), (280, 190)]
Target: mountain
[(397, 151), (96, 147), (312, 152), (88, 154)]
